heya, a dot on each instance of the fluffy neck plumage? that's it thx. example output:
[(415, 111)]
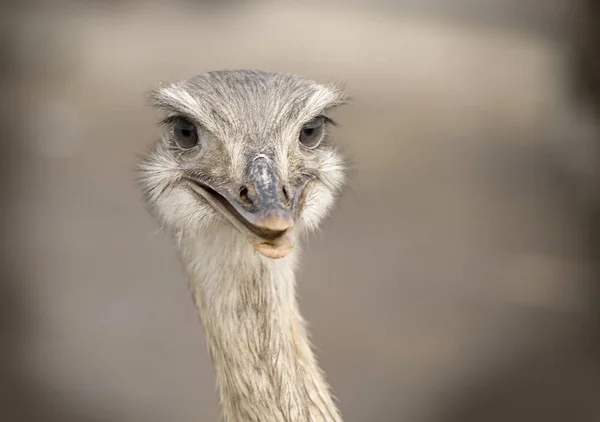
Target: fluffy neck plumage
[(257, 338)]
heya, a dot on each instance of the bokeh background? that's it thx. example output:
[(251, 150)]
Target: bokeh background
[(457, 279)]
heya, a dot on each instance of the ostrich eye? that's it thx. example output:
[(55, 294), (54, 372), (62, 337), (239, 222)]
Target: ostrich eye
[(186, 134), (311, 133)]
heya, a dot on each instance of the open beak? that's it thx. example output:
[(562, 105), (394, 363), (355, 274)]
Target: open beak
[(260, 210)]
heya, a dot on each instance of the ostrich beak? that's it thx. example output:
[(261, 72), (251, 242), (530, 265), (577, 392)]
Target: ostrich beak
[(272, 215), (259, 210)]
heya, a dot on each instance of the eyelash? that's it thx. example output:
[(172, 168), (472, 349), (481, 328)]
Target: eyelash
[(328, 120), (171, 119)]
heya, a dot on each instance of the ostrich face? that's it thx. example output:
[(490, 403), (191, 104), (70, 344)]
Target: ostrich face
[(245, 151)]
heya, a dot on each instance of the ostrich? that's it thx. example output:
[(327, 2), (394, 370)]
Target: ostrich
[(243, 169)]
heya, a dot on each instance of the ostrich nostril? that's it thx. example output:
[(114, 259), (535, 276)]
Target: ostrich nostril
[(285, 192), (244, 196)]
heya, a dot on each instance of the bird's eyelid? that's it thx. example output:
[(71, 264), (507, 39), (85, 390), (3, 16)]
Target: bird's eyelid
[(168, 120), (326, 119), (329, 120), (173, 118)]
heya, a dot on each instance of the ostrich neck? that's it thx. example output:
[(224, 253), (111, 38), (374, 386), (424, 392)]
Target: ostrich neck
[(257, 338)]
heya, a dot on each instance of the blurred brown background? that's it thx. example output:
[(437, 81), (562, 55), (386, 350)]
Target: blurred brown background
[(457, 279)]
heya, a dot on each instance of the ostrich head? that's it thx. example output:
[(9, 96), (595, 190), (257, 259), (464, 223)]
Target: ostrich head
[(244, 154)]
